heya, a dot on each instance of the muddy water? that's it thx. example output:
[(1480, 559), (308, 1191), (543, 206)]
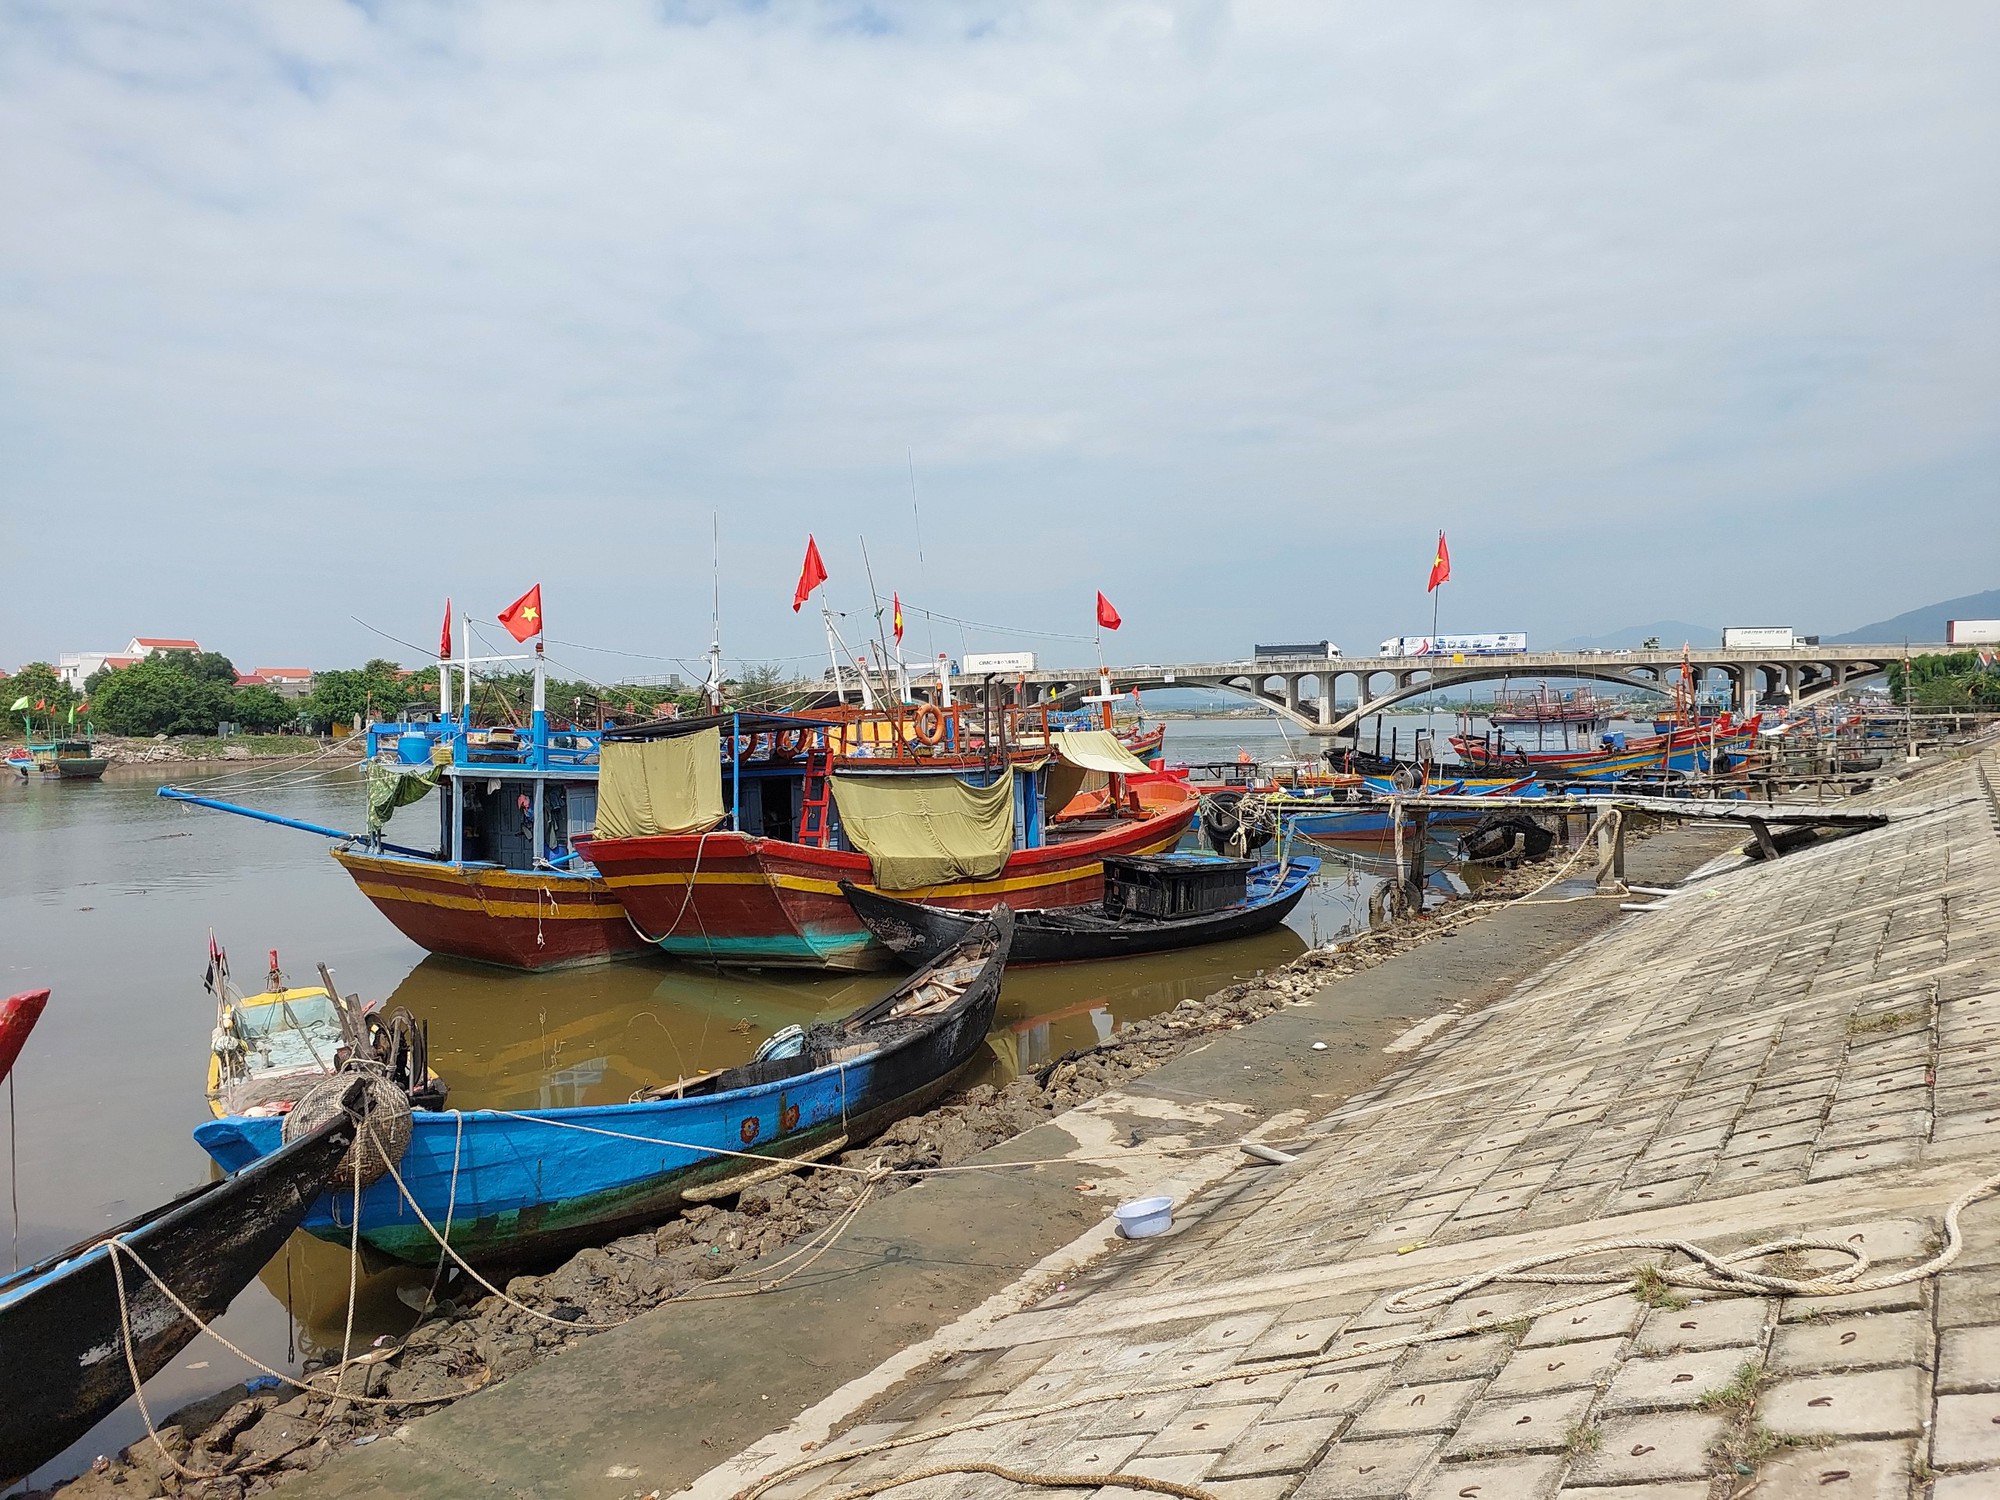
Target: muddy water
[(108, 894)]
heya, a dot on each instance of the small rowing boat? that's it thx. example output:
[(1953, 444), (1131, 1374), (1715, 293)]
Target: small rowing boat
[(916, 933), (523, 1186), (60, 1321)]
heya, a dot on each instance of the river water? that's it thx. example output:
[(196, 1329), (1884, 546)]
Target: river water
[(108, 895)]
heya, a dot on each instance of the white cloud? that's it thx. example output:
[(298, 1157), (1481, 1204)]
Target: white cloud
[(1225, 308)]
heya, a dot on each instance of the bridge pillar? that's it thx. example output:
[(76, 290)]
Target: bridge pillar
[(1291, 692)]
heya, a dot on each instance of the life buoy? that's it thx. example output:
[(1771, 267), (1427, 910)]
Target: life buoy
[(791, 742), (930, 724)]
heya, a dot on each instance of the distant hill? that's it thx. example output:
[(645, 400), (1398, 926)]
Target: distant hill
[(1925, 624), (1670, 633)]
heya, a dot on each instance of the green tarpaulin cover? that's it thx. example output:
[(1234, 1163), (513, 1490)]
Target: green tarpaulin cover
[(660, 786), (927, 830), (391, 787)]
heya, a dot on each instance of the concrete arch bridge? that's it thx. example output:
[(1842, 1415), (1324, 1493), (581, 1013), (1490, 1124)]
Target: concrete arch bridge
[(1308, 689)]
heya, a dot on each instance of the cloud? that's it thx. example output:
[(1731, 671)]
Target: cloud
[(1223, 308)]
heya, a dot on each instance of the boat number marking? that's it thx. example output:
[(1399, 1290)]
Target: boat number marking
[(749, 1131)]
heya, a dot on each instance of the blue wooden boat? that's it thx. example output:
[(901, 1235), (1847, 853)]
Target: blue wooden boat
[(1374, 818), (65, 1367), (527, 1186)]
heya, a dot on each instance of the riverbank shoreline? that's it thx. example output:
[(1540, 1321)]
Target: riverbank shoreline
[(934, 1254)]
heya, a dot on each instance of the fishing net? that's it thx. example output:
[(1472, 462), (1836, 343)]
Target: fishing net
[(385, 1110)]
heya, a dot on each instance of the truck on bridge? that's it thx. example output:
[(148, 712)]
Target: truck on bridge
[(1500, 643), (1295, 651)]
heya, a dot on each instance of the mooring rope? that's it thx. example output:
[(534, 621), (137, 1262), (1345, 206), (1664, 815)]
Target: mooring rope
[(1717, 1273)]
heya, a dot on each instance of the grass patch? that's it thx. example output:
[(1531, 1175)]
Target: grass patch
[(1582, 1438), (1651, 1288), (1895, 1020), (1740, 1395)]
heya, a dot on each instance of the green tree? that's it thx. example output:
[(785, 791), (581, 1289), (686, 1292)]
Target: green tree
[(160, 696), (204, 666), (38, 683), (1946, 680), (260, 709), (375, 690)]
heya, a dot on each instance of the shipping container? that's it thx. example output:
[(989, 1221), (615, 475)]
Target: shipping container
[(1301, 649), (1500, 643), (1758, 638), (1972, 632)]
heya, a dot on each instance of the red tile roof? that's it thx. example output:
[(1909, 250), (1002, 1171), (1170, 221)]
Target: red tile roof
[(252, 679), (285, 674), (161, 643)]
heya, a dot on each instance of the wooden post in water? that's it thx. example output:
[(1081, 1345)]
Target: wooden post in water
[(1420, 823), (1397, 900), (1601, 832)]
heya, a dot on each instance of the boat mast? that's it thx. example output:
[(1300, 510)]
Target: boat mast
[(713, 687)]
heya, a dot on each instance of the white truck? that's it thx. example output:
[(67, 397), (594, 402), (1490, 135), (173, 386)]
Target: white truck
[(1290, 651), (1972, 632), (1495, 643), (1758, 638)]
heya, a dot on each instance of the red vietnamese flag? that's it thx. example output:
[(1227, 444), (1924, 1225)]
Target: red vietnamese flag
[(1440, 565), (811, 576), (896, 616), (1106, 615), (444, 636), (523, 617)]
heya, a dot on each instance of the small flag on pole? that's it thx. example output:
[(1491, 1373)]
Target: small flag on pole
[(523, 617), (444, 635), (811, 576), (1106, 615), (1440, 565), (896, 616)]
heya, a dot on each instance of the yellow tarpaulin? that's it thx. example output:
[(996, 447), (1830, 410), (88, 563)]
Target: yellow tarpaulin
[(927, 830), (1098, 750), (660, 786)]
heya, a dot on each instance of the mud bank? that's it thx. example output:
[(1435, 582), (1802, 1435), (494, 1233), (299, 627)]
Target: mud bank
[(474, 1340)]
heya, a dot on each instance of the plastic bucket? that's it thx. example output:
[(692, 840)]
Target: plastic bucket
[(1143, 1218), (414, 749)]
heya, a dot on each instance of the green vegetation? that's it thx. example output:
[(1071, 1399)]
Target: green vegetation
[(38, 683), (1655, 1290), (377, 689), (169, 692), (1946, 680)]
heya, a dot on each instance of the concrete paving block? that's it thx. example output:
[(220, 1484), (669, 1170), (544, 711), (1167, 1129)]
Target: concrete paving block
[(1367, 1471), (1909, 1124), (1539, 1424), (1177, 1468), (1674, 1381), (1852, 1343), (1403, 1409), (1267, 1386), (1616, 1315), (1093, 1455), (1653, 1195), (1648, 1449), (1139, 1414), (1203, 1429), (1289, 1340), (1233, 1332), (1966, 1298), (1871, 1403), (1958, 1127), (1525, 1478), (1851, 1161), (1337, 1393), (1680, 1489), (1969, 1359), (1456, 1359), (1845, 1471), (1967, 1432), (1272, 1447), (1557, 1367), (1770, 1138)]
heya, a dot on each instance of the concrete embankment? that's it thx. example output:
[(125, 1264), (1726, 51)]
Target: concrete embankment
[(655, 1402)]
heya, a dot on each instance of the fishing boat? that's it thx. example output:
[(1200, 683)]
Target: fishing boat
[(272, 1048), (18, 1014), (722, 854), (1120, 925), (20, 760), (1712, 749), (72, 760), (60, 1322), (1581, 708), (523, 1186), (1372, 817)]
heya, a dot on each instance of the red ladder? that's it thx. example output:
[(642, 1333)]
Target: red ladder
[(813, 826)]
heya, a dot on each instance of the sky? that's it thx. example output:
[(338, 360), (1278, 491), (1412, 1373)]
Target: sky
[(312, 314)]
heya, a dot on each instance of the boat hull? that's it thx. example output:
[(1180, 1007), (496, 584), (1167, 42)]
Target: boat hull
[(484, 914), (524, 1187), (65, 1369), (728, 898), (916, 933)]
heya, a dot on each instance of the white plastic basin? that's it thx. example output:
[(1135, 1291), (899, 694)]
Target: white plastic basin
[(1143, 1218)]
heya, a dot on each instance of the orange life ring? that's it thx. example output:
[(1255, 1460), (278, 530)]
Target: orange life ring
[(930, 724), (790, 743)]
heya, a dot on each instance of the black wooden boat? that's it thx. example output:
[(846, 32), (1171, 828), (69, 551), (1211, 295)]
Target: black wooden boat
[(62, 1341), (916, 933)]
